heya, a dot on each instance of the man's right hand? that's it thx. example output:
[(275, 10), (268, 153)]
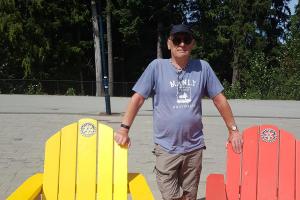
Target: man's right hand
[(121, 137)]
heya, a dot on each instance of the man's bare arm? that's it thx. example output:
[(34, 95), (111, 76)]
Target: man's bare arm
[(121, 136), (224, 108)]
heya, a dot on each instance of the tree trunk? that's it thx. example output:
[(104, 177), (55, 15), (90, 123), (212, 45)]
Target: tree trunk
[(98, 70), (109, 48), (235, 67), (159, 40)]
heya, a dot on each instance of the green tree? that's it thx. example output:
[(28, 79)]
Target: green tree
[(272, 22), (290, 60), (140, 30), (229, 31), (226, 33), (42, 40)]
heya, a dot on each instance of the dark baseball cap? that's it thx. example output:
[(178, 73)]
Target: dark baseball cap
[(181, 28)]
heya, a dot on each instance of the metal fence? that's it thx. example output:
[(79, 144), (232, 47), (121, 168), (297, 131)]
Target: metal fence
[(122, 89), (60, 87)]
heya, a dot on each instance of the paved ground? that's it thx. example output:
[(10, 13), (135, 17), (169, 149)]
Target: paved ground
[(27, 121)]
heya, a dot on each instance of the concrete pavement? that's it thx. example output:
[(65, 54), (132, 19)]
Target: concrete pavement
[(28, 121)]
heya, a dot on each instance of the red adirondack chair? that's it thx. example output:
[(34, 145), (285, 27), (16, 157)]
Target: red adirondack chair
[(267, 169)]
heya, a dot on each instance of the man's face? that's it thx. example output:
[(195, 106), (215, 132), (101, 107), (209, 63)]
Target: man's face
[(181, 45)]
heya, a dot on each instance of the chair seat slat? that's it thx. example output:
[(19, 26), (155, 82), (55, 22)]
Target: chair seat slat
[(51, 167), (249, 163), (120, 178), (297, 170), (268, 162), (287, 164), (67, 169), (86, 160), (105, 163), (233, 177)]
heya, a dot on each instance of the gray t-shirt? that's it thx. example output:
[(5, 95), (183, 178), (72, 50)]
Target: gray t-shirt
[(177, 109)]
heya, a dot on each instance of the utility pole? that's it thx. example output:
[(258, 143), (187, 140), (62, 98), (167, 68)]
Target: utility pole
[(105, 79)]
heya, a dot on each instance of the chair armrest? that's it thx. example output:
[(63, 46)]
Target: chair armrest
[(215, 187), (138, 187), (29, 190)]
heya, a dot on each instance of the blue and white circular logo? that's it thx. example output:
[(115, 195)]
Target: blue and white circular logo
[(87, 129), (268, 135)]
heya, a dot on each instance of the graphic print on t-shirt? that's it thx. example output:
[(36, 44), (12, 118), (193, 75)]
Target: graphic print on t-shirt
[(183, 94)]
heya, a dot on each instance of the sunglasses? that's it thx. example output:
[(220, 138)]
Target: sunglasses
[(178, 39)]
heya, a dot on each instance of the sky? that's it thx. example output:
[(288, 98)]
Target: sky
[(292, 5)]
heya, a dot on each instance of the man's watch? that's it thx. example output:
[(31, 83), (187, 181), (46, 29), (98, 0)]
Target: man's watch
[(233, 128), (125, 126)]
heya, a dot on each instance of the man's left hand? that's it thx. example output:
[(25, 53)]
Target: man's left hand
[(236, 140)]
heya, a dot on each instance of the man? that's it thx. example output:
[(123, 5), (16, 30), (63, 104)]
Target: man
[(177, 85)]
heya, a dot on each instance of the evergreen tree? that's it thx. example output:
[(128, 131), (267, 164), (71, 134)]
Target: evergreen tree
[(229, 31), (140, 33), (45, 40), (290, 61)]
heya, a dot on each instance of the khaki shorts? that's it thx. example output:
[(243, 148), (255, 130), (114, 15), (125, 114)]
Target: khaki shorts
[(178, 174)]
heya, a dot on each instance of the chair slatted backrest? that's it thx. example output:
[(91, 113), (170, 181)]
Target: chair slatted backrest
[(83, 162), (267, 169)]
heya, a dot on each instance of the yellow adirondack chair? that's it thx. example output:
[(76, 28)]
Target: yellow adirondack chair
[(83, 162)]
